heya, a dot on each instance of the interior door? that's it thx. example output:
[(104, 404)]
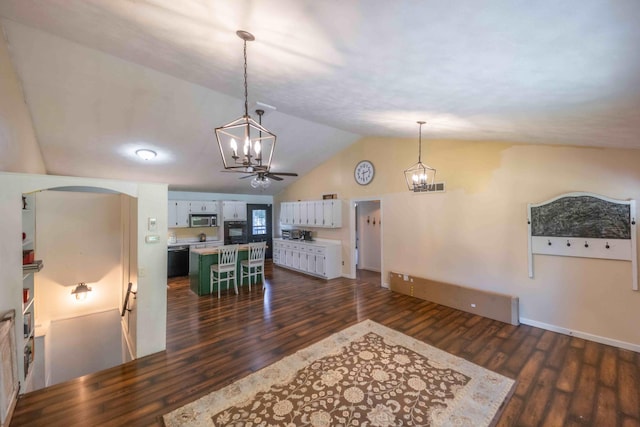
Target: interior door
[(259, 226)]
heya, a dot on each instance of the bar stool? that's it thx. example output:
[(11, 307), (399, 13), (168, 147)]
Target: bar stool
[(254, 264), (227, 261)]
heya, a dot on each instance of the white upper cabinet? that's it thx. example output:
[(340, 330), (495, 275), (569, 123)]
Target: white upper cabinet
[(209, 207), (312, 213), (332, 210), (178, 213), (286, 213), (296, 213), (233, 210), (318, 210)]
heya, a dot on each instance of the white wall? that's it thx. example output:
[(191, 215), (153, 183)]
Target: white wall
[(19, 149), (78, 236), (151, 299), (84, 344)]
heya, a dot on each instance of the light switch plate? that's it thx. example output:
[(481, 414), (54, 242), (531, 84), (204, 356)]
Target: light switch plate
[(152, 224), (153, 238)]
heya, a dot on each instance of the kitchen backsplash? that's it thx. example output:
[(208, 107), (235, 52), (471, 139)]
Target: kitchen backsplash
[(193, 233)]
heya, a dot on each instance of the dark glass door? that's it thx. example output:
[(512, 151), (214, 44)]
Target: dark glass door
[(259, 226)]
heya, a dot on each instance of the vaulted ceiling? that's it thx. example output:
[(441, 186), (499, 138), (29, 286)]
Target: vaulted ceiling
[(103, 78)]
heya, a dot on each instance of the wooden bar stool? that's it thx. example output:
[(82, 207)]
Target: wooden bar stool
[(254, 264), (227, 261)]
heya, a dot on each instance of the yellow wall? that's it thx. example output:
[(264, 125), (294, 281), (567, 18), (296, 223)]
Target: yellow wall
[(475, 234), (19, 149)]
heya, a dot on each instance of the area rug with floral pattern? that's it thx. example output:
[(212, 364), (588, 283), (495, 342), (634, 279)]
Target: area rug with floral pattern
[(365, 375)]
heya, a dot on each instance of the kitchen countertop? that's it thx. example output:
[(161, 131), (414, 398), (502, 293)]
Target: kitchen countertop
[(195, 242), (211, 251), (311, 242)]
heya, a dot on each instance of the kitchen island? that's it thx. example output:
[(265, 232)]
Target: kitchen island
[(200, 260)]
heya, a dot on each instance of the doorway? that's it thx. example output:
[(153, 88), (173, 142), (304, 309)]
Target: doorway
[(368, 236), (366, 220), (259, 219)]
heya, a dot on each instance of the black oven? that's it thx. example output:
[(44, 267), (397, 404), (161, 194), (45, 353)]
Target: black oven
[(235, 232)]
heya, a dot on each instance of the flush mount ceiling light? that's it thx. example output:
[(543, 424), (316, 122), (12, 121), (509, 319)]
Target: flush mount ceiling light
[(80, 291), (146, 154), (420, 177), (245, 145)]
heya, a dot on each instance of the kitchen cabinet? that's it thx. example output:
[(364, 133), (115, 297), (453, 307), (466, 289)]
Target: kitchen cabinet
[(233, 210), (295, 213), (305, 214), (318, 209), (200, 261), (286, 213), (178, 213), (332, 213), (210, 207), (312, 213), (321, 258)]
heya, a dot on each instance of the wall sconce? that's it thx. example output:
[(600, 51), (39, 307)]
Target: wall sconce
[(80, 291)]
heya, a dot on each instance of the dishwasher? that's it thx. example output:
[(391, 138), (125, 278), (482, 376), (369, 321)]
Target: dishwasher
[(178, 261)]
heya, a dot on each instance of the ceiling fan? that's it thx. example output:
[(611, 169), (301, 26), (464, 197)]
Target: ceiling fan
[(261, 177), (273, 175)]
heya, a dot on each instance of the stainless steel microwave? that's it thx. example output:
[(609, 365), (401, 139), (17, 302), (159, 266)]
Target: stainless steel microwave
[(203, 220)]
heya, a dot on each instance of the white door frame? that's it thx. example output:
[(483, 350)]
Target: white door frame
[(352, 236)]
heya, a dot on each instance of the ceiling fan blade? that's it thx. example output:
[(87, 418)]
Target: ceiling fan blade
[(284, 173), (248, 176), (234, 171), (273, 177)]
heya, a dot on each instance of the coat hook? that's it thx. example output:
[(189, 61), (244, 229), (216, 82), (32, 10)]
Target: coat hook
[(549, 242), (368, 220), (374, 221), (607, 245), (568, 243), (586, 244)]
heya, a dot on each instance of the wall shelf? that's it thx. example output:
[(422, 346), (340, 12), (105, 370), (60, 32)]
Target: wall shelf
[(32, 268)]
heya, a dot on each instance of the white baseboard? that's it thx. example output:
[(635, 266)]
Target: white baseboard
[(583, 335)]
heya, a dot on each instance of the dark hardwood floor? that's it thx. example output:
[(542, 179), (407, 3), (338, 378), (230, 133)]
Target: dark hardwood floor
[(561, 380)]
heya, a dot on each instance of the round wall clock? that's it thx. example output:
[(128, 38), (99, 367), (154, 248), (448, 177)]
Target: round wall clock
[(364, 172)]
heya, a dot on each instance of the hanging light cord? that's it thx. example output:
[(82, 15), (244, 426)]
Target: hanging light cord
[(246, 90)]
